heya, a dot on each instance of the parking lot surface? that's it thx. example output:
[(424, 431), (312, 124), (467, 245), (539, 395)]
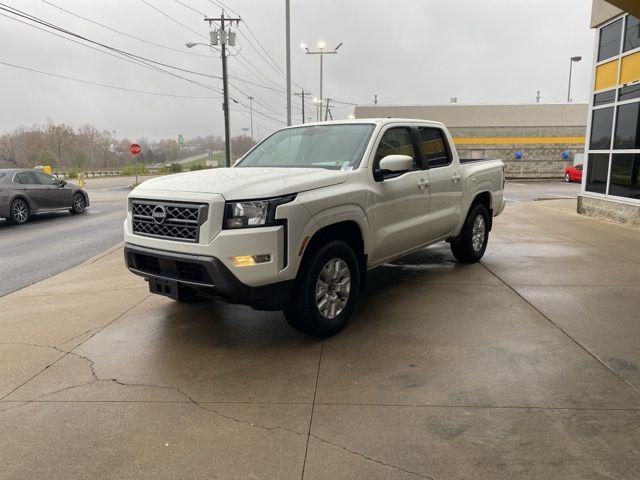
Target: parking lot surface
[(526, 365)]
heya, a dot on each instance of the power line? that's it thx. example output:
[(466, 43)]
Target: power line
[(90, 82), (173, 19), (123, 33)]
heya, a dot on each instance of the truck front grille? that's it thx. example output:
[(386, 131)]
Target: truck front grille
[(171, 220)]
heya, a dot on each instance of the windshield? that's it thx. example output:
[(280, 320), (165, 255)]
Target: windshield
[(320, 146)]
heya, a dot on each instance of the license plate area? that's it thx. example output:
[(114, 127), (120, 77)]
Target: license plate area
[(160, 286)]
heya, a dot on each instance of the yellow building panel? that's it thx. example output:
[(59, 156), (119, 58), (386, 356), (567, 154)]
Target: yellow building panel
[(515, 140), (630, 70), (607, 75)]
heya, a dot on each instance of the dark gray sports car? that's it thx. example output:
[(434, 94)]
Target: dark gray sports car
[(26, 192)]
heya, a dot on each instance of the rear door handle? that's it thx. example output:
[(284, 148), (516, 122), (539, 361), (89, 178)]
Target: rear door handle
[(423, 184)]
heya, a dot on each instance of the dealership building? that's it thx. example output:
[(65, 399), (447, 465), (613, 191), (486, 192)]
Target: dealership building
[(535, 140), (611, 187)]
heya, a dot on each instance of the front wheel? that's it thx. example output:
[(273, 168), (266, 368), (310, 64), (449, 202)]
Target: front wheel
[(79, 204), (470, 245), (325, 292), (567, 177)]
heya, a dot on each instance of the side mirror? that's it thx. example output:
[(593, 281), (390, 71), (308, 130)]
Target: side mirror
[(394, 164), (62, 182)]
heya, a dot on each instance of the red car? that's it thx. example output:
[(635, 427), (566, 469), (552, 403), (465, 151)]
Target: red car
[(573, 173)]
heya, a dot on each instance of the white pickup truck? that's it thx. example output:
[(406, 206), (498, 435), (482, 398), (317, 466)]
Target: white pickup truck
[(296, 223)]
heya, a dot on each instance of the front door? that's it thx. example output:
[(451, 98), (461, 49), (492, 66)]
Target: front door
[(446, 182), (57, 195), (401, 201)]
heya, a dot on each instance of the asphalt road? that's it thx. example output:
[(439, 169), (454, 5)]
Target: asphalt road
[(52, 243)]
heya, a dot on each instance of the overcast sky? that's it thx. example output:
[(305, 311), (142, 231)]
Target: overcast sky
[(406, 51)]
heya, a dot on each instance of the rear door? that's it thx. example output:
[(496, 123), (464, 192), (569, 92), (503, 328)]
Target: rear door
[(401, 201), (446, 181)]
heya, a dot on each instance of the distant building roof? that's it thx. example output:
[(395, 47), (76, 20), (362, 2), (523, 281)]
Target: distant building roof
[(460, 115)]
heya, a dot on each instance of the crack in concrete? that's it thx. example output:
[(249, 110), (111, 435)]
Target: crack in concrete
[(380, 462), (191, 400)]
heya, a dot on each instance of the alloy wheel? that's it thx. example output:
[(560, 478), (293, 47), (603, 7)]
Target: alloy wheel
[(332, 288), (478, 232), (20, 211), (78, 203)]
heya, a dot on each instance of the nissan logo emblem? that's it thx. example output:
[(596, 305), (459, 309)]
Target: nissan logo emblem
[(159, 214)]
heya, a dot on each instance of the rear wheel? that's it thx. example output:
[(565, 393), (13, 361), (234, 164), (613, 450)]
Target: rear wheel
[(567, 177), (79, 204), (470, 245), (19, 212), (326, 290)]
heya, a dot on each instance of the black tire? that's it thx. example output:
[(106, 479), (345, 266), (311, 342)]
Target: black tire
[(466, 247), (19, 212), (303, 312), (79, 203), (567, 177)]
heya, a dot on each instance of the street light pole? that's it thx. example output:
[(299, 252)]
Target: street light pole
[(571, 60), (288, 55), (322, 52), (251, 114)]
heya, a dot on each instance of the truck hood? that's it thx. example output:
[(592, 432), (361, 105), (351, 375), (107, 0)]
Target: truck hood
[(246, 182)]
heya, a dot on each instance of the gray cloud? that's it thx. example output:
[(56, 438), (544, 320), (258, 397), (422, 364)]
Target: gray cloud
[(407, 51)]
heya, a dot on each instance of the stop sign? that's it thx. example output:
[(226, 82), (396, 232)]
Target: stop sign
[(135, 149)]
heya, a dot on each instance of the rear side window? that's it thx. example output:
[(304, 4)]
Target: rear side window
[(434, 147), (26, 178), (395, 141)]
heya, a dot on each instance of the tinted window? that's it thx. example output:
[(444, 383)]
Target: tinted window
[(45, 179), (597, 170), (632, 34), (601, 126), (395, 141), (627, 135), (625, 175), (604, 98), (610, 36), (630, 92), (433, 147), (27, 178)]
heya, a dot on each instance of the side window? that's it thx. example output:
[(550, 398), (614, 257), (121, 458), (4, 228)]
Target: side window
[(45, 179), (578, 167), (434, 148), (396, 141), (26, 178)]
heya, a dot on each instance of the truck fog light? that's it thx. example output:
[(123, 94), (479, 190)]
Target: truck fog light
[(248, 260)]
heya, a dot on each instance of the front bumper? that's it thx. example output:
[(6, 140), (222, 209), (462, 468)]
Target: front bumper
[(208, 276)]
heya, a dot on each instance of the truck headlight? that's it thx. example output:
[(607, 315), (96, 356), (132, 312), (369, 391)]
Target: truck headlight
[(253, 213)]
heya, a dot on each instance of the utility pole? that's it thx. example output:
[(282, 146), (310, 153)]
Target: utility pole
[(288, 55), (375, 99), (301, 95), (321, 51), (224, 37), (327, 112), (245, 130), (251, 114)]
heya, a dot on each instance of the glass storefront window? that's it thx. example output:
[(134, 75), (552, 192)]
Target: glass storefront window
[(632, 34), (597, 170), (625, 175), (601, 126), (627, 134), (604, 98), (610, 40), (629, 93)]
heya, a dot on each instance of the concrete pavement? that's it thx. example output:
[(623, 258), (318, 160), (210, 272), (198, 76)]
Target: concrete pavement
[(524, 366)]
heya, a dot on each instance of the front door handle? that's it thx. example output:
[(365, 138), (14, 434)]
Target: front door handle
[(423, 184)]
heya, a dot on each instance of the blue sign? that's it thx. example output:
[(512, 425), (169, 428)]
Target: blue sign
[(566, 154), (519, 154)]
